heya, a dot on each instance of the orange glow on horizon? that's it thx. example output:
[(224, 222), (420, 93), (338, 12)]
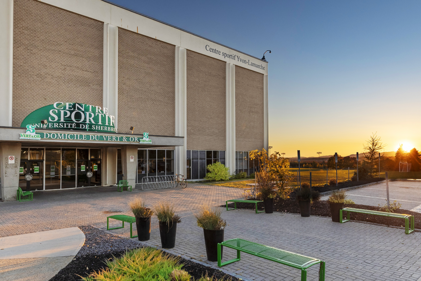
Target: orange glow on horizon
[(406, 145)]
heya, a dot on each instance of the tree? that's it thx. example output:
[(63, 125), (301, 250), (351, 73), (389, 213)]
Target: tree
[(413, 157), (371, 154), (400, 156), (273, 172)]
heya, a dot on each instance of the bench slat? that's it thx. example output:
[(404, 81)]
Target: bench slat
[(373, 212), (274, 254)]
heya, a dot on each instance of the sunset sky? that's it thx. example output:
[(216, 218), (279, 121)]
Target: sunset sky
[(339, 70)]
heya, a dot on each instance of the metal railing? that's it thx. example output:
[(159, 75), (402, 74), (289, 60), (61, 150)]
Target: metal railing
[(159, 182)]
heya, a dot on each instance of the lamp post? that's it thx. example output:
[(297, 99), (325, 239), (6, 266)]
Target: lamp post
[(264, 59), (299, 174), (357, 169), (336, 165)]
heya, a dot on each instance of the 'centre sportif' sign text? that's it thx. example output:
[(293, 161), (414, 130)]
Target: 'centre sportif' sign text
[(72, 116)]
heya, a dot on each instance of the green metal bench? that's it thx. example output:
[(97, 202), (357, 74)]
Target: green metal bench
[(283, 257), (20, 194), (122, 218), (408, 229), (235, 201), (122, 184)]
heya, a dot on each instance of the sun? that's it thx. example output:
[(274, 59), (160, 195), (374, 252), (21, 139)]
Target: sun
[(406, 146)]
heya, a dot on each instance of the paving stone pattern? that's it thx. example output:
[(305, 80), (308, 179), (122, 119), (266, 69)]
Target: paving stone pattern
[(352, 251), (91, 206)]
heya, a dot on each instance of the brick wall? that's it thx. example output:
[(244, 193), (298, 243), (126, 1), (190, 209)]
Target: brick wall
[(248, 109), (206, 103), (146, 84), (57, 56)]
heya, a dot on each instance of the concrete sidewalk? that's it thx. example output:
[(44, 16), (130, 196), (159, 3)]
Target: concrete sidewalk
[(40, 255)]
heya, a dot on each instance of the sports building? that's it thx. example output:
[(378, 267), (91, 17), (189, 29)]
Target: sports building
[(92, 93)]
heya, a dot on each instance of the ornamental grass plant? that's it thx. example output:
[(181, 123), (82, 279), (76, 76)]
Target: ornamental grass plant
[(139, 208), (166, 213), (210, 218), (339, 197)]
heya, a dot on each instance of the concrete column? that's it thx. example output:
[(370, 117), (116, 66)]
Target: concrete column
[(230, 113), (181, 109), (109, 162), (266, 113), (110, 79), (129, 167), (6, 62), (9, 172)]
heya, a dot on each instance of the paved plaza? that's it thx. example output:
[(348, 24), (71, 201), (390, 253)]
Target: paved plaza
[(352, 251), (407, 193)]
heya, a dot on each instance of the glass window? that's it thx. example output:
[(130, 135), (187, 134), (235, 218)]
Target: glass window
[(216, 155), (221, 155), (152, 163), (141, 165), (95, 153), (169, 162), (119, 166), (24, 154), (161, 162), (188, 164), (82, 154), (36, 154), (209, 154), (195, 164), (202, 165)]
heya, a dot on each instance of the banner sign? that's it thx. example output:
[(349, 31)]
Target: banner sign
[(82, 168), (84, 137), (36, 169), (72, 116), (95, 167), (20, 170)]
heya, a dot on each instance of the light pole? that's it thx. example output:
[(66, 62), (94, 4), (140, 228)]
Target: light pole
[(357, 169), (299, 175), (264, 59), (336, 165)]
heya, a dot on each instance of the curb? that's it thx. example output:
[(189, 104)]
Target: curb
[(351, 188)]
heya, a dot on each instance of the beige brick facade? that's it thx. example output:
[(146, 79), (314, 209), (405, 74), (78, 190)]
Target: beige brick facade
[(206, 103), (57, 56), (146, 84), (249, 105)]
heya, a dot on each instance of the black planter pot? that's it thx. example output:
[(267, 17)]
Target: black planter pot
[(334, 210), (143, 226), (268, 205), (305, 208), (167, 232), (212, 238)]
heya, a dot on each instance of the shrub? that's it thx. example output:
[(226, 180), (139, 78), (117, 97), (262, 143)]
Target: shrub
[(339, 197), (165, 213), (307, 194), (217, 172), (363, 174), (393, 207), (240, 175), (332, 182), (305, 185), (210, 218), (252, 175), (139, 264), (265, 187), (139, 209)]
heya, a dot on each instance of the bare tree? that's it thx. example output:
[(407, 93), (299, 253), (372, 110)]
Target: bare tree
[(372, 148), (319, 153)]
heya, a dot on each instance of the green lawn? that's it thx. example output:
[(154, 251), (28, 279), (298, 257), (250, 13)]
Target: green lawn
[(318, 176)]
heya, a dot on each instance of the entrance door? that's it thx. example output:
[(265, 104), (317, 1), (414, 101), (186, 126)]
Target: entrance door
[(83, 168), (36, 169)]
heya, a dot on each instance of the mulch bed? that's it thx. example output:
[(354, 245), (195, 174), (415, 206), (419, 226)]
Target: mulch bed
[(101, 246), (322, 208)]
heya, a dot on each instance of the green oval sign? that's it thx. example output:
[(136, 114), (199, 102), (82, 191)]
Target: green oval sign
[(72, 116)]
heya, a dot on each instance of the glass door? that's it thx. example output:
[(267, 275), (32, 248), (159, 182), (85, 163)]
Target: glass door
[(82, 168), (52, 168), (68, 168)]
